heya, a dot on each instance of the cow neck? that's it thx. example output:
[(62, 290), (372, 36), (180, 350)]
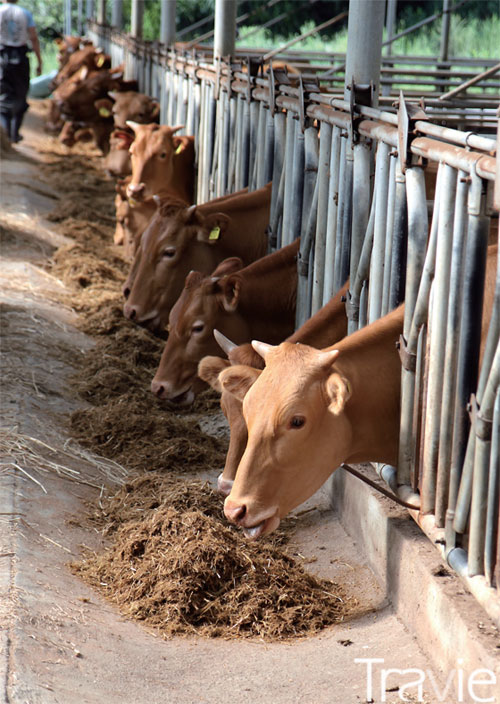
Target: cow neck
[(369, 360), (268, 293)]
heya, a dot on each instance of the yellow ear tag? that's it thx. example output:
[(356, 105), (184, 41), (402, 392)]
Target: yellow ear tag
[(100, 61), (214, 234), (132, 202), (104, 112), (179, 149)]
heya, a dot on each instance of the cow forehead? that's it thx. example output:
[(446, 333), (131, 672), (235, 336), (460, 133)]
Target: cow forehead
[(193, 304), (150, 140), (290, 382)]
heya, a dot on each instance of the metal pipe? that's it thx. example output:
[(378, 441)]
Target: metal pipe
[(261, 140), (117, 14), (493, 493), (254, 128), (325, 149), (245, 145), (288, 167), (342, 186), (343, 269), (101, 12), (167, 22), (479, 499), (364, 45), (269, 149), (399, 242), (295, 40), (358, 294), (389, 233), (470, 336), (445, 31), (136, 19), (452, 341), (331, 221), (362, 198), (305, 266), (437, 338), (298, 177), (377, 260), (225, 28)]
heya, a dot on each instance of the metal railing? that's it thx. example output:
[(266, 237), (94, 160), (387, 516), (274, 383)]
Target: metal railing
[(354, 182)]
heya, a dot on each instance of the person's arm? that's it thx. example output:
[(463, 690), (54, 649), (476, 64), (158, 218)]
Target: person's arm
[(32, 33)]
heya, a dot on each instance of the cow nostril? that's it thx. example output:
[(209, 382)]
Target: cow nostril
[(157, 388), (126, 291), (129, 312)]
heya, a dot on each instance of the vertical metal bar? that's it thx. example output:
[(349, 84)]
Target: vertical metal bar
[(325, 150), (101, 12), (437, 339), (343, 269), (254, 131), (391, 197), (445, 31), (470, 336), (167, 22), (288, 166), (117, 14), (297, 187), (80, 23), (377, 261), (233, 145), (67, 16), (342, 187), (492, 510), (269, 151), (225, 28), (278, 176), (305, 263), (136, 18), (331, 221), (452, 339), (261, 140), (237, 143), (361, 199), (364, 44), (399, 243), (479, 499), (419, 275), (245, 145)]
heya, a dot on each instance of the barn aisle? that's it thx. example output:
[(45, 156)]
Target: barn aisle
[(62, 642)]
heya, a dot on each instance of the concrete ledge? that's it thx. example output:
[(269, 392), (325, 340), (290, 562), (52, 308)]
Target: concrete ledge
[(432, 601)]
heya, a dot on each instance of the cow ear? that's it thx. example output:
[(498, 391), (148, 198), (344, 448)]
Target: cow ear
[(209, 369), (228, 266), (338, 392), (237, 380), (230, 293), (214, 227)]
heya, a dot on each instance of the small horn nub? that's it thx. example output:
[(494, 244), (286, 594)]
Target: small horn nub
[(262, 348), (224, 342)]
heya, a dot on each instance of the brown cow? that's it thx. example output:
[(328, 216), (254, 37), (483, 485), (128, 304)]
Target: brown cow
[(322, 408), (90, 57), (324, 328), (123, 106), (161, 162), (76, 100), (257, 301), (178, 240)]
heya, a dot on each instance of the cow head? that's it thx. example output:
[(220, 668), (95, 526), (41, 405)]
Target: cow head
[(137, 107), (294, 445), (152, 152), (206, 302), (76, 97), (131, 219), (177, 240), (94, 59)]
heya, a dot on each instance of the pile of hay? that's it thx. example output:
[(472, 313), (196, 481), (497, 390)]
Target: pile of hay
[(175, 566)]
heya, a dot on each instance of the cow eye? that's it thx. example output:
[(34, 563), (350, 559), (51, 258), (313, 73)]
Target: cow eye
[(169, 253), (163, 155), (198, 327), (297, 422)]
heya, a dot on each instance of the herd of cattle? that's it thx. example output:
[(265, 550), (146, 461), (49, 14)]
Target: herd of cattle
[(299, 404)]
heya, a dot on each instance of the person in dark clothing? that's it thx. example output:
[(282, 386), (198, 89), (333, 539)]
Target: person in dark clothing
[(17, 27)]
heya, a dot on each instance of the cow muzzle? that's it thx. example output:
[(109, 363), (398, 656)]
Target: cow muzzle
[(163, 390), (253, 526), (135, 190)]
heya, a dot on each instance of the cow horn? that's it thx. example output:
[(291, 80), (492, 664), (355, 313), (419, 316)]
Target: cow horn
[(133, 125), (112, 94), (325, 359), (262, 348), (157, 200), (175, 129), (224, 342)]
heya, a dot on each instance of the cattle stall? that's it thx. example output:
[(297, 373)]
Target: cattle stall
[(397, 189)]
